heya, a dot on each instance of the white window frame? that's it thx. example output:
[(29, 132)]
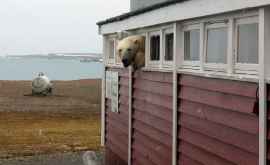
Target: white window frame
[(244, 68), (166, 63), (189, 64), (215, 66), (155, 63), (110, 61), (120, 64)]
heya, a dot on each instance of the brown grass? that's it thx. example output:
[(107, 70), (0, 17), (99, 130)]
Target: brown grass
[(67, 121)]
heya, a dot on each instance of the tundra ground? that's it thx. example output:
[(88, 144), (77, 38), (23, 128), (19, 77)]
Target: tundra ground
[(67, 121)]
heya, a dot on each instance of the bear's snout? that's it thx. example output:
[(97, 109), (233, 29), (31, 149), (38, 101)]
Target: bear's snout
[(125, 62)]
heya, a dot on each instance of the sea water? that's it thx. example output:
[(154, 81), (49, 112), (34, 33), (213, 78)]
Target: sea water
[(55, 69)]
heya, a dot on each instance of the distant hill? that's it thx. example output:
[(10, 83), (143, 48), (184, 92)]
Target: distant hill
[(84, 57)]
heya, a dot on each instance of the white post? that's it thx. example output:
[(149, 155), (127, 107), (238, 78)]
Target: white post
[(162, 47), (147, 49), (103, 94), (230, 56), (262, 87), (202, 42), (130, 117), (175, 66)]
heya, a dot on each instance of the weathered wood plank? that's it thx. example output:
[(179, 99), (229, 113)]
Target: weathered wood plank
[(139, 159), (153, 87), (156, 146), (155, 110), (200, 155), (241, 121), (149, 154), (154, 76), (153, 133), (147, 97), (218, 148), (222, 133), (220, 85), (221, 100), (154, 122)]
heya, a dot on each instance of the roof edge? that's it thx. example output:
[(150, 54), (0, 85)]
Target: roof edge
[(138, 12)]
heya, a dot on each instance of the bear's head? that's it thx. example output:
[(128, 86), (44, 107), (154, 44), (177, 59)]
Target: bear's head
[(129, 49)]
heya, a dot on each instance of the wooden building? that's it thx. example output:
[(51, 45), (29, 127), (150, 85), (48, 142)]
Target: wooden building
[(201, 98)]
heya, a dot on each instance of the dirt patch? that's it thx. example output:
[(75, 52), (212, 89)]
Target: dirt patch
[(69, 120)]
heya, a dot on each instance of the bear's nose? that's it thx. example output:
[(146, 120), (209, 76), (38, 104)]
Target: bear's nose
[(125, 62)]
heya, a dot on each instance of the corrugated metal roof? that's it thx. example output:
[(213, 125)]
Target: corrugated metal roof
[(138, 12)]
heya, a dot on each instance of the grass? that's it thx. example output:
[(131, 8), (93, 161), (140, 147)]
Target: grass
[(28, 133)]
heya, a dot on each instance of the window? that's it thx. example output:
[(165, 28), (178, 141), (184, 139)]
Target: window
[(223, 45), (247, 43), (169, 37), (216, 44), (118, 59), (155, 47), (160, 47), (192, 45), (111, 49)]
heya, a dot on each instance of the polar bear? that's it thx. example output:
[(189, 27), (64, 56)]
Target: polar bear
[(131, 51)]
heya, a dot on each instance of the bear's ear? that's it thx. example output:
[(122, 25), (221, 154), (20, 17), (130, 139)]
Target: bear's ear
[(136, 41)]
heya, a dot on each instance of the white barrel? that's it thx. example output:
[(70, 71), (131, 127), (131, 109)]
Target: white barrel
[(41, 84)]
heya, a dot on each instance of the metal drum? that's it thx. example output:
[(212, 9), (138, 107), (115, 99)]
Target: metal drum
[(41, 85)]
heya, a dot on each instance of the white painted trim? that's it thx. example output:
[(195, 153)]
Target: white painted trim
[(155, 63), (221, 67), (220, 75), (242, 67), (189, 63), (166, 63), (262, 86), (178, 54), (202, 44), (175, 99), (181, 11), (147, 49), (230, 48), (109, 59), (130, 117), (103, 89)]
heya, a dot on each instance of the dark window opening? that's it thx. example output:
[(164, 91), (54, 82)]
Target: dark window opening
[(155, 48), (169, 46)]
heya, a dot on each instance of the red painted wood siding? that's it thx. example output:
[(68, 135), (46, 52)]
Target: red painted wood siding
[(116, 130), (152, 118), (217, 123)]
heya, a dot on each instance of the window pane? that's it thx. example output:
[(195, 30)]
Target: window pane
[(118, 59), (248, 43), (217, 45), (192, 45), (169, 47), (111, 49), (155, 48)]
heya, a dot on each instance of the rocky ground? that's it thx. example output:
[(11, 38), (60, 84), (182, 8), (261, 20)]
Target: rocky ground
[(43, 128), (75, 158)]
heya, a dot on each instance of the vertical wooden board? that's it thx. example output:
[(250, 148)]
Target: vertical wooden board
[(117, 124), (152, 118), (112, 158)]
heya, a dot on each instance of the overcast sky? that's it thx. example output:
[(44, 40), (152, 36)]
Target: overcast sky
[(48, 26)]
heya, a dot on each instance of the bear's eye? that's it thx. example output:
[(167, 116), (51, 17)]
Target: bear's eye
[(129, 49), (120, 50)]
